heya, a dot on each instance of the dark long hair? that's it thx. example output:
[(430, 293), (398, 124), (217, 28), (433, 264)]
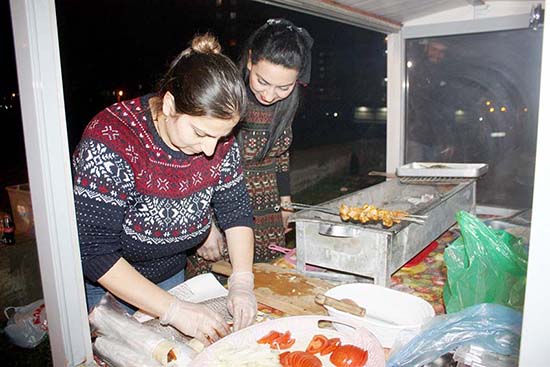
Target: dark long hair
[(281, 43), (204, 82)]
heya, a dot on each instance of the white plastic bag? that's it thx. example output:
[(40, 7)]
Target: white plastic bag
[(27, 326)]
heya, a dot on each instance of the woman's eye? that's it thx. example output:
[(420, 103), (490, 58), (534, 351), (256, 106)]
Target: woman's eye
[(284, 89), (262, 82)]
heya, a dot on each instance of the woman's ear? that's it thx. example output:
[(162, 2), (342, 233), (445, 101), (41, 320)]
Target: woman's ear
[(168, 104), (249, 62)]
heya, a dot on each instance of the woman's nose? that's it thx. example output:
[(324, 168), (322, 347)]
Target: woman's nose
[(209, 146), (270, 95)]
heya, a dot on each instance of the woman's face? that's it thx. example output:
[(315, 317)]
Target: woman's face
[(269, 82), (195, 134)]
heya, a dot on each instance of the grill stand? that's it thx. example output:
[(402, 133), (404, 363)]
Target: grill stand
[(371, 253)]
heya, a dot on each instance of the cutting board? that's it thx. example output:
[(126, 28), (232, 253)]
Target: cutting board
[(283, 289)]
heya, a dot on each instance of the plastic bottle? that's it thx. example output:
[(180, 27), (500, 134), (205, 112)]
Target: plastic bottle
[(8, 237)]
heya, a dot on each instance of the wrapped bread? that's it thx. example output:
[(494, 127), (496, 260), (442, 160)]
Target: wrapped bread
[(109, 320)]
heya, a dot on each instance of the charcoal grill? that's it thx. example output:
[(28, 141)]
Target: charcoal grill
[(370, 251)]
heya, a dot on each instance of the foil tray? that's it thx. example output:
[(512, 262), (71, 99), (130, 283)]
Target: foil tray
[(440, 169)]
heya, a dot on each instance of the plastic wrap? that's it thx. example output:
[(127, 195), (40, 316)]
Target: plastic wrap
[(116, 353), (494, 327), (109, 319)]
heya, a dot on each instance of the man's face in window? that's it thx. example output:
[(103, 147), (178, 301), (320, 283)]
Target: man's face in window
[(435, 51)]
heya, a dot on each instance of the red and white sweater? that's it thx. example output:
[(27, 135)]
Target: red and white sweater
[(138, 199)]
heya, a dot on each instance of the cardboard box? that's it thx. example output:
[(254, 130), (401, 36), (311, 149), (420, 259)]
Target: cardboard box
[(21, 208)]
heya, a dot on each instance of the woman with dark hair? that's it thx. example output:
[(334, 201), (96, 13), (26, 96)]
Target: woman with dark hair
[(148, 173), (275, 60)]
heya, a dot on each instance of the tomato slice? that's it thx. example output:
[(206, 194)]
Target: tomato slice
[(348, 355), (283, 341), (317, 344), (303, 359), (283, 359), (269, 337), (332, 344)]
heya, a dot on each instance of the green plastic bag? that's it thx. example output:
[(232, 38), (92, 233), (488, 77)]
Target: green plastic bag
[(484, 266)]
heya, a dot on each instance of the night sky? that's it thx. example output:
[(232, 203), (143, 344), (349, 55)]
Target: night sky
[(107, 45)]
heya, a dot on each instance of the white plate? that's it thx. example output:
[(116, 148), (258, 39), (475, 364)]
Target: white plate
[(402, 310), (302, 328), (439, 169)]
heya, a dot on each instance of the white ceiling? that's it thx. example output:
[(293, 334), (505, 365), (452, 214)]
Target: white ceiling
[(389, 16), (400, 11)]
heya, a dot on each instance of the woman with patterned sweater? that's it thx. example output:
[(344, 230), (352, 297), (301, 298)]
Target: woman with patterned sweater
[(148, 174), (275, 60)]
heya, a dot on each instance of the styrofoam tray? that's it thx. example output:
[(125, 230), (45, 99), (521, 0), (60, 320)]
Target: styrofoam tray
[(439, 169), (302, 328)]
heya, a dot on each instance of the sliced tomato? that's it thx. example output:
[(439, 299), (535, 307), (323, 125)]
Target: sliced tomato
[(332, 344), (283, 341), (269, 337), (348, 355), (283, 359), (303, 359), (317, 344)]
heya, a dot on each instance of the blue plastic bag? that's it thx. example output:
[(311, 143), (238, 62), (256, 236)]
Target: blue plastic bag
[(494, 327)]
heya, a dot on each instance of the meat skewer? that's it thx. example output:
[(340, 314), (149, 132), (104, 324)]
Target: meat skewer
[(364, 214)]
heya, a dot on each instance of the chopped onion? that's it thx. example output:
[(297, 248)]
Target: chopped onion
[(256, 355)]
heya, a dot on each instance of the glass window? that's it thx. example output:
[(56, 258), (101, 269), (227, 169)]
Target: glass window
[(474, 99)]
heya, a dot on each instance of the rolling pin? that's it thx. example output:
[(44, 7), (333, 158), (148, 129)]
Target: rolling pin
[(339, 305)]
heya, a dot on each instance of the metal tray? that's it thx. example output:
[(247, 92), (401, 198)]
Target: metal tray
[(439, 169)]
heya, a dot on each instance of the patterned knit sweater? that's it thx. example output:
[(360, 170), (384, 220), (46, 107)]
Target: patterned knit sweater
[(138, 199)]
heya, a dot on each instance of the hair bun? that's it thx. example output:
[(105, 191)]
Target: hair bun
[(206, 44)]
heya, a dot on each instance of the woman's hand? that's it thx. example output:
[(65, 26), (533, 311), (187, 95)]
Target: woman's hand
[(195, 320), (213, 247), (241, 301), (286, 212)]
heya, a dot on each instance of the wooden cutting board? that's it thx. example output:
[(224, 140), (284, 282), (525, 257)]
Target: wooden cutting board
[(283, 289)]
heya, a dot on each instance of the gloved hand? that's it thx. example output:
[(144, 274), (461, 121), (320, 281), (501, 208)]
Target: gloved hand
[(195, 320), (213, 247), (241, 301)]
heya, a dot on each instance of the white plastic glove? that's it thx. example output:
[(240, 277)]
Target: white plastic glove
[(241, 301), (213, 247), (195, 320)]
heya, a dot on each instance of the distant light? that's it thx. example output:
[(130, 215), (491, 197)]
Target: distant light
[(386, 52), (386, 38), (13, 95), (409, 64), (385, 80), (335, 114), (525, 109), (362, 109), (503, 109), (480, 119), (487, 103), (498, 134), (459, 113), (492, 109), (120, 93)]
